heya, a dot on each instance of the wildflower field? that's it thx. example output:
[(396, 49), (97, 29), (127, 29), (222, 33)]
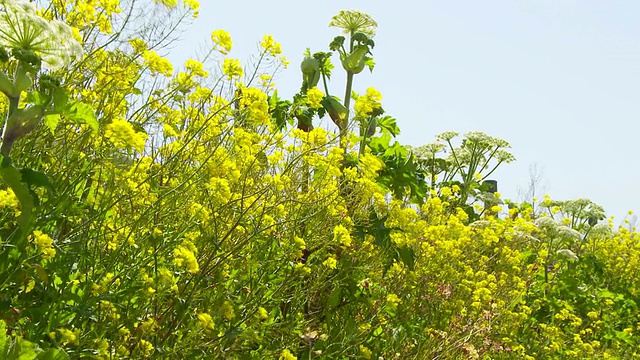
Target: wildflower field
[(188, 211)]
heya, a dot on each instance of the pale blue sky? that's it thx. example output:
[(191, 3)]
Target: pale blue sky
[(558, 79)]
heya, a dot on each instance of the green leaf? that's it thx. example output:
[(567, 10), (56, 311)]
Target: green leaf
[(82, 113), (6, 85), (13, 178), (36, 178), (3, 338), (370, 63), (388, 124), (60, 100), (335, 298), (380, 144), (408, 257), (53, 354), (51, 121)]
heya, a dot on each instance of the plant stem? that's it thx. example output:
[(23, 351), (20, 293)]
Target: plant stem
[(344, 126)]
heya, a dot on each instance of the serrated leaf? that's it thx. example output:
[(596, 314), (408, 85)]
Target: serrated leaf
[(388, 124), (36, 178), (368, 61), (408, 257), (51, 121), (60, 99), (82, 113)]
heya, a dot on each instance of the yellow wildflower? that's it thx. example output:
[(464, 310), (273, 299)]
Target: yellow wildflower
[(122, 134), (331, 262), (184, 255), (270, 46), (157, 64), (205, 321), (287, 355), (314, 96), (232, 68), (222, 41), (44, 243), (196, 68), (366, 104), (341, 236)]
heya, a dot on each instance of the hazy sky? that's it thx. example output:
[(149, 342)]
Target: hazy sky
[(558, 79)]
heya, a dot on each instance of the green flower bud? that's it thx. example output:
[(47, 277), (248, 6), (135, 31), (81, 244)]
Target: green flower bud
[(310, 72), (337, 112), (371, 130), (354, 62)]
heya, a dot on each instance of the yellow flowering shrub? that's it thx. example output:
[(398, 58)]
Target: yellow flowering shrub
[(227, 233)]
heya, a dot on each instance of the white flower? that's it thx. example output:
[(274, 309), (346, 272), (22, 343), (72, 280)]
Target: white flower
[(354, 21), (21, 27)]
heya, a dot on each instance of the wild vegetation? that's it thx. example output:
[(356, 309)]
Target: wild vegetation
[(149, 210)]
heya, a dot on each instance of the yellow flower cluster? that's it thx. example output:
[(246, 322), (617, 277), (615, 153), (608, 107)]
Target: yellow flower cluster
[(157, 64), (222, 41), (366, 104), (232, 68), (196, 68), (314, 96), (270, 46), (44, 244), (9, 200), (205, 321), (287, 355), (122, 134), (185, 255), (255, 101)]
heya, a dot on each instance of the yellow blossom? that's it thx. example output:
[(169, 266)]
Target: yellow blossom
[(168, 3), (205, 321), (193, 5), (369, 103), (157, 64), (314, 96), (185, 255), (67, 336), (44, 244), (342, 236), (331, 262), (232, 68), (270, 46), (222, 41), (122, 134), (196, 68), (393, 299), (287, 355)]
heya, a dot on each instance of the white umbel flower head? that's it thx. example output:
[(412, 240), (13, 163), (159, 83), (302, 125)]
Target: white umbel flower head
[(22, 28), (354, 21)]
